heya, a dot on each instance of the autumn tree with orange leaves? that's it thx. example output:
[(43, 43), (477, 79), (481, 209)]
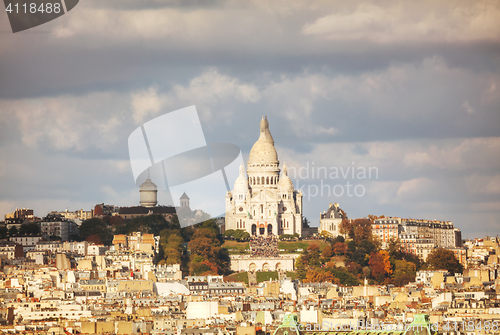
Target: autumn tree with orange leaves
[(380, 264)]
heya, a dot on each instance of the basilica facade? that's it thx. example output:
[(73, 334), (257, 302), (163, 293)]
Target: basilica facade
[(263, 202)]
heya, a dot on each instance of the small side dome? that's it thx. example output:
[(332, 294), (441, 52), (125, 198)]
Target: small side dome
[(285, 183), (241, 183)]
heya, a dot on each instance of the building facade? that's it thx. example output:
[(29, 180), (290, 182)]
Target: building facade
[(386, 229), (416, 245), (443, 233), (27, 241), (264, 203), (329, 222)]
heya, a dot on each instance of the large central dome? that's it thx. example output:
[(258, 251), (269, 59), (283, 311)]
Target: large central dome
[(263, 150)]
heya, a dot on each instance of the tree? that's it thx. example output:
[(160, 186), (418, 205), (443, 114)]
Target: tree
[(313, 251), (205, 245), (394, 247), (379, 264), (205, 268), (116, 221), (96, 239), (3, 232), (353, 267), (344, 277), (339, 238), (374, 217), (346, 228), (237, 234), (368, 246), (362, 229), (173, 249), (29, 228), (360, 256), (96, 226), (315, 276), (340, 248), (444, 259), (327, 252), (13, 231), (404, 272), (151, 224)]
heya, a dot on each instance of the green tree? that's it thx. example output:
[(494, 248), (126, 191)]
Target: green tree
[(314, 254), (3, 232), (98, 227), (173, 249), (444, 259), (237, 234), (404, 272), (13, 231), (394, 247), (150, 224), (344, 277), (339, 238)]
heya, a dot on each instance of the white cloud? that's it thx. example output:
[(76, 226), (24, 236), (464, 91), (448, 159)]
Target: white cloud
[(211, 92), (414, 187), (7, 206), (468, 108), (144, 104), (69, 122), (409, 21), (483, 184)]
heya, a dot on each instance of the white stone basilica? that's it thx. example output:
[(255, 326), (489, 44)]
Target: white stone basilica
[(264, 204)]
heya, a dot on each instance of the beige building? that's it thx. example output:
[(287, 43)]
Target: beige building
[(443, 233), (329, 222), (135, 285), (284, 262), (137, 242)]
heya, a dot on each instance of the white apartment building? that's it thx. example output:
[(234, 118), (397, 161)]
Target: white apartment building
[(27, 241)]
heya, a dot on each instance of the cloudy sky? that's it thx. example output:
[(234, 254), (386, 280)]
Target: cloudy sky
[(410, 89)]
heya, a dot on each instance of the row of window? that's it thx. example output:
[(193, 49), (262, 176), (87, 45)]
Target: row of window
[(263, 180)]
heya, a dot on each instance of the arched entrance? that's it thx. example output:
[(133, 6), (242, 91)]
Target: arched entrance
[(252, 267), (265, 267), (254, 229), (279, 267), (262, 229), (269, 229)]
